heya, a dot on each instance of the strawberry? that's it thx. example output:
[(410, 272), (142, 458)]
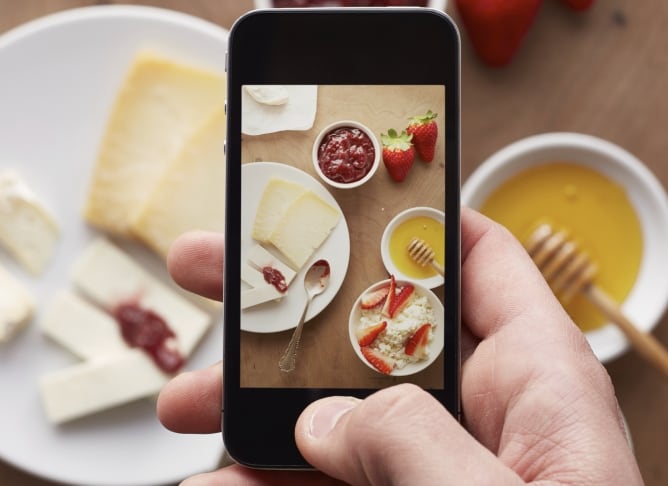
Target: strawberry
[(579, 5), (400, 300), (497, 28), (369, 334), (382, 363), (417, 343), (374, 298), (398, 153), (390, 297), (425, 132)]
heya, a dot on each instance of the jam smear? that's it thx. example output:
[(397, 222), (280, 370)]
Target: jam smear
[(143, 328), (275, 277), (346, 154)]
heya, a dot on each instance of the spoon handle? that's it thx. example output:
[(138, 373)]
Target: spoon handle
[(288, 361)]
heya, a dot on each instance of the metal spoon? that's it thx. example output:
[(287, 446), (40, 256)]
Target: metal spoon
[(315, 283)]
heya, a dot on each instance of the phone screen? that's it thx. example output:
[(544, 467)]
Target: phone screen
[(319, 185)]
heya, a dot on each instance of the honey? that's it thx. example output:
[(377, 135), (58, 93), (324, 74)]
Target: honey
[(425, 228), (594, 210)]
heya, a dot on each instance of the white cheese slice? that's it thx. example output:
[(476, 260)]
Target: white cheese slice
[(273, 95), (99, 384), (276, 198), (303, 228), (108, 276), (190, 194), (27, 229), (16, 306), (158, 108), (261, 291)]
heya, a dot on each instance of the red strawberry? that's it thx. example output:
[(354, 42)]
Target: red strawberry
[(398, 153), (369, 334), (580, 5), (374, 298), (497, 28), (390, 297), (382, 363), (400, 300), (417, 343), (425, 132)]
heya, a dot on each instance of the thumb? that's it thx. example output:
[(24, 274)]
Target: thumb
[(399, 435)]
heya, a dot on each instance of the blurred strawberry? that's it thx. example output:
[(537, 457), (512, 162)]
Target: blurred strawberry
[(398, 153), (497, 28), (425, 132), (580, 5)]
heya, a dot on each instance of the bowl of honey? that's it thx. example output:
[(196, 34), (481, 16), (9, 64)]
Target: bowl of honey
[(608, 202), (425, 223)]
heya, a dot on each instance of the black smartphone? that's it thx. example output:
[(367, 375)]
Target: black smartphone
[(343, 146)]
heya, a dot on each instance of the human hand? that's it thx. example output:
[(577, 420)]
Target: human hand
[(537, 405)]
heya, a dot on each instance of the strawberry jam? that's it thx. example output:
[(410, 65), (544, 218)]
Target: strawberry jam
[(275, 278), (346, 154), (143, 328)]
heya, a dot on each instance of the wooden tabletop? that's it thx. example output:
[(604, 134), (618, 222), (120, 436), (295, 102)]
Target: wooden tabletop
[(603, 73)]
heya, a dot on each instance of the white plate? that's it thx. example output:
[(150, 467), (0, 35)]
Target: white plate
[(284, 314), (60, 77), (297, 114)]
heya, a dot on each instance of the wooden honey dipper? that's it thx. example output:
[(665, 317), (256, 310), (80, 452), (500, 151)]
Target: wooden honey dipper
[(423, 254), (569, 271)]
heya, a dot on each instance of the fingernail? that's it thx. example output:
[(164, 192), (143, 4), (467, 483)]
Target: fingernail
[(326, 416)]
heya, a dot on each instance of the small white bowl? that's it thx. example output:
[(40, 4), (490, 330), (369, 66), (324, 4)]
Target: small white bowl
[(648, 298), (431, 282), (436, 345), (334, 126)]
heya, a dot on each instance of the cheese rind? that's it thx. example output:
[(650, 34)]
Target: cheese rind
[(16, 306), (27, 229), (190, 195), (159, 107), (304, 227), (108, 276), (99, 384), (276, 198)]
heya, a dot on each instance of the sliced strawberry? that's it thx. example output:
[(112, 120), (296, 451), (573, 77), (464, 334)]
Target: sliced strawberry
[(369, 334), (374, 298), (378, 360), (417, 343), (390, 297), (400, 300)]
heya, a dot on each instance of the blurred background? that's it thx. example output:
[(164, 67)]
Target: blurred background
[(601, 72)]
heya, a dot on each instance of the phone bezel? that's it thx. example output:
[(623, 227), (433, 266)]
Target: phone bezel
[(258, 423)]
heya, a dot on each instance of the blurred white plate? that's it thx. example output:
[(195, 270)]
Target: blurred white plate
[(60, 77), (284, 314), (297, 114)]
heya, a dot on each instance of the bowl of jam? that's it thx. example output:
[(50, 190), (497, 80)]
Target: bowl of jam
[(346, 154)]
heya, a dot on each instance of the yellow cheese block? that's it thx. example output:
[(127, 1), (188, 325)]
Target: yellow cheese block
[(304, 227), (276, 198), (158, 109), (191, 193)]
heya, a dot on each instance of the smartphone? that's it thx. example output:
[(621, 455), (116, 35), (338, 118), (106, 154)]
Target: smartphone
[(328, 182)]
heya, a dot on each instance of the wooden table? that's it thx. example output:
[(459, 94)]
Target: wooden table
[(602, 73)]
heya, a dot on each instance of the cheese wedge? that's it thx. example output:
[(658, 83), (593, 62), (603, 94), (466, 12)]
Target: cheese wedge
[(108, 276), (16, 306), (190, 195), (276, 198), (27, 229), (99, 384), (260, 291), (303, 228), (158, 109)]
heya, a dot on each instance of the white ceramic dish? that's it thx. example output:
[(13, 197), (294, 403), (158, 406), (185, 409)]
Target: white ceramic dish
[(297, 114), (436, 345), (334, 126), (284, 314), (431, 282), (647, 300), (62, 73)]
